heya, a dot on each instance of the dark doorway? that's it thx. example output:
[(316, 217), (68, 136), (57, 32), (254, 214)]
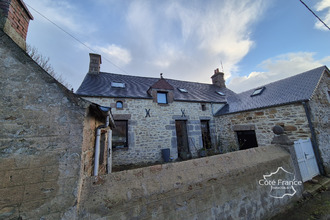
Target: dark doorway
[(182, 140), (205, 127), (119, 135), (247, 139)]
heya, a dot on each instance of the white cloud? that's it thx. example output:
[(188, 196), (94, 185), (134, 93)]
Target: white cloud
[(278, 68), (204, 31), (118, 55), (62, 13), (324, 6)]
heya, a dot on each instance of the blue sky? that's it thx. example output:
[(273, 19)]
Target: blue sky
[(257, 41)]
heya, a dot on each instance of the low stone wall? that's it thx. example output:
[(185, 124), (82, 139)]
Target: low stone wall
[(218, 187)]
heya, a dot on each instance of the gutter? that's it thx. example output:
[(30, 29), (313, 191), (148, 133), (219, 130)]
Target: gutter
[(314, 141)]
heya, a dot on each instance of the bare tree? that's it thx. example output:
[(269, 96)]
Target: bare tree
[(45, 64)]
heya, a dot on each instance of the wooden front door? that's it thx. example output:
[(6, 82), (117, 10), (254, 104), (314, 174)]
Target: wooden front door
[(182, 140), (206, 134)]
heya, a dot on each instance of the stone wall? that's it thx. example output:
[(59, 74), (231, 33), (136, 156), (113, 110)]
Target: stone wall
[(217, 187), (147, 136), (320, 110), (292, 117), (41, 140)]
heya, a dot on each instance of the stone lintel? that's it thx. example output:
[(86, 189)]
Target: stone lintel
[(243, 127)]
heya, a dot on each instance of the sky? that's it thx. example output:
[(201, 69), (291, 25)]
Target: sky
[(254, 42)]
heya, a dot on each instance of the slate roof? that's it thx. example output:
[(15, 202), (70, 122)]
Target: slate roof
[(162, 84), (99, 85), (294, 89)]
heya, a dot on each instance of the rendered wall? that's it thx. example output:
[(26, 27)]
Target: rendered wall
[(218, 187), (41, 139)]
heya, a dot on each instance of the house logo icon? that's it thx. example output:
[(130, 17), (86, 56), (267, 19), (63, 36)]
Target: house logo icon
[(281, 183)]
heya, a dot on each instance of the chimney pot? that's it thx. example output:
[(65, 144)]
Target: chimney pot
[(94, 63)]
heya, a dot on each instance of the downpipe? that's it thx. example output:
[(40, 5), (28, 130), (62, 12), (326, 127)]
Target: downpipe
[(97, 144)]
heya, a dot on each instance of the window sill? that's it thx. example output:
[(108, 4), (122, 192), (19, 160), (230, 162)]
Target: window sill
[(120, 149)]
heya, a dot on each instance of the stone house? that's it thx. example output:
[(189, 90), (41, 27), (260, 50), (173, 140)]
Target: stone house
[(300, 104), (47, 133), (154, 114)]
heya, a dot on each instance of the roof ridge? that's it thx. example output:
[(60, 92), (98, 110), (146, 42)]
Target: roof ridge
[(318, 83), (157, 78), (287, 78)]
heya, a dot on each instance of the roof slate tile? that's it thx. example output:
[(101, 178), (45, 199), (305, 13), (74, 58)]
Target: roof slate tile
[(293, 89), (98, 85)]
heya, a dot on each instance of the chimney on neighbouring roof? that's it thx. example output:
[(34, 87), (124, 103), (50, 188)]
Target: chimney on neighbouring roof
[(14, 20), (94, 63), (218, 79)]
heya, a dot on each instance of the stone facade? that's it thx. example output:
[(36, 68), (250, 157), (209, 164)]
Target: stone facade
[(292, 117), (46, 140), (147, 136), (320, 112)]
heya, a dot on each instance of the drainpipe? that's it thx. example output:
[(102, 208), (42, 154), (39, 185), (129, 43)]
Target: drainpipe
[(212, 108), (314, 142), (109, 159), (97, 144)]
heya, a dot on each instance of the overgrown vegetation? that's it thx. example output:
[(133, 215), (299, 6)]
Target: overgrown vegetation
[(44, 62)]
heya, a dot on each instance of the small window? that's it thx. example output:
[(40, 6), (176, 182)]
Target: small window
[(258, 91), (119, 135), (203, 107), (162, 97), (220, 93), (182, 90), (119, 104), (247, 139), (117, 85)]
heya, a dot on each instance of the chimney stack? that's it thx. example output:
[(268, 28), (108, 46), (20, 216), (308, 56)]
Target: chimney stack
[(218, 79), (14, 20), (94, 63)]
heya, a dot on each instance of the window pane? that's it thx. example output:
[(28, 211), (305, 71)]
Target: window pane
[(119, 104), (119, 135), (161, 97), (117, 85)]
